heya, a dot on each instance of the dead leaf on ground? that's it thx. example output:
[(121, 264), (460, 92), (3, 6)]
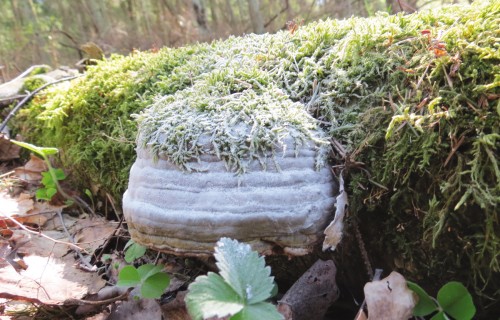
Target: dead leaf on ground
[(32, 170), (91, 233), (389, 298), (8, 150), (135, 309), (333, 233), (51, 275), (176, 309), (26, 210)]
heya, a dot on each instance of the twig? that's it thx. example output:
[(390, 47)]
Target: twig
[(78, 251), (25, 73), (15, 297), (104, 245), (28, 97), (74, 246), (362, 249), (80, 302)]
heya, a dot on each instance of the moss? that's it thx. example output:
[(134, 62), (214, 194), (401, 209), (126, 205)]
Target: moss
[(30, 84), (415, 98), (40, 70)]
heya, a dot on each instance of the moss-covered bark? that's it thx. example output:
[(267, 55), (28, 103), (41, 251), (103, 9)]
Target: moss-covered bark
[(414, 98)]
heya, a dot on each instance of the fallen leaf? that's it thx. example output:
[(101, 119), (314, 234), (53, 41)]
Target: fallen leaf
[(51, 275), (176, 309), (333, 233), (90, 234), (136, 309), (25, 210), (32, 170), (15, 206), (8, 150), (389, 298)]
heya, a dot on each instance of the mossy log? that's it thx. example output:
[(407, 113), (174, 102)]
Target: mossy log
[(410, 102)]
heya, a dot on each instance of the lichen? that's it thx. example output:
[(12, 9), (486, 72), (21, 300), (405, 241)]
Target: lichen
[(414, 99)]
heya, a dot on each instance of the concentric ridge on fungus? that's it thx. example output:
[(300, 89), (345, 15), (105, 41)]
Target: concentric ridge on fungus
[(246, 165)]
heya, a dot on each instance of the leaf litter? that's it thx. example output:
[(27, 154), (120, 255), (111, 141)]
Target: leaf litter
[(36, 264)]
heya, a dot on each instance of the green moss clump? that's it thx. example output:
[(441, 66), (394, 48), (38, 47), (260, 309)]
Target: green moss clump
[(415, 98), (40, 70), (30, 84)]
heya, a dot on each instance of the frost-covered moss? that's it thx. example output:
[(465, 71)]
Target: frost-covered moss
[(415, 98)]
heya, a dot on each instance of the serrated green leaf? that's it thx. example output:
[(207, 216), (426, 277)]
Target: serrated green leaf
[(154, 286), (210, 296), (456, 301), (134, 251), (425, 303), (261, 310), (244, 270), (128, 277)]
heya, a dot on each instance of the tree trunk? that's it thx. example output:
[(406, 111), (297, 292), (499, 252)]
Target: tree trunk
[(256, 16), (213, 12), (230, 12), (199, 10)]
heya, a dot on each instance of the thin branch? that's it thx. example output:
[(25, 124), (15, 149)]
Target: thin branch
[(74, 246), (28, 97), (79, 302)]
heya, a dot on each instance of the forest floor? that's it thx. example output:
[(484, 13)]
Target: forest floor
[(57, 261)]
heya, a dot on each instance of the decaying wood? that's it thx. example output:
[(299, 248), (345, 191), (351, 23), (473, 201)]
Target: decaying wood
[(311, 296)]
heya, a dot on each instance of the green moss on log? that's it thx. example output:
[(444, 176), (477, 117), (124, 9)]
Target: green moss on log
[(415, 98)]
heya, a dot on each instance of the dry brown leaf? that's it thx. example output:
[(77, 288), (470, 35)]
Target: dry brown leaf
[(51, 275), (15, 206), (92, 233), (25, 210), (176, 309), (8, 150), (32, 170), (389, 298), (333, 233), (136, 309)]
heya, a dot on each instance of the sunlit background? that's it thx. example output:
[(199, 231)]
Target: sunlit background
[(52, 31)]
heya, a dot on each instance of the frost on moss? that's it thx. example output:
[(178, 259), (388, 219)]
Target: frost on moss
[(413, 97)]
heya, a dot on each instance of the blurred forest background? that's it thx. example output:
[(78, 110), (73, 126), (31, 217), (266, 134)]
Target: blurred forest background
[(53, 31)]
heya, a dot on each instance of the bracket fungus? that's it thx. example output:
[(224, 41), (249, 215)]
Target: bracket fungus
[(260, 181)]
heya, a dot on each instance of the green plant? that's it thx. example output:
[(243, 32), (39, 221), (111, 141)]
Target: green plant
[(133, 251), (51, 177), (241, 289), (453, 300), (49, 188), (148, 278)]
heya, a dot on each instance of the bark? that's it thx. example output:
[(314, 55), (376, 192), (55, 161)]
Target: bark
[(230, 12), (256, 16), (199, 10), (213, 12)]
